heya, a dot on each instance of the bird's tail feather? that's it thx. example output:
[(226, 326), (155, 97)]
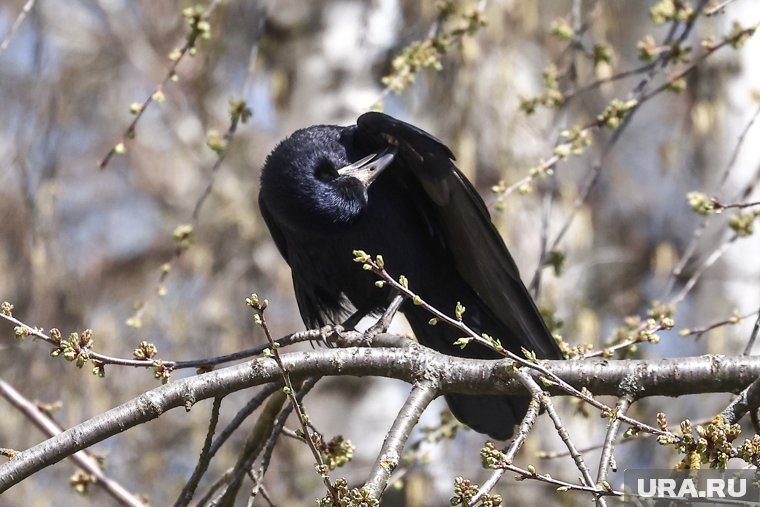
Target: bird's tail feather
[(494, 415)]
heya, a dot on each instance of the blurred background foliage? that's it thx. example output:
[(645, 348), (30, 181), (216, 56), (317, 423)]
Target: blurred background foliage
[(83, 247)]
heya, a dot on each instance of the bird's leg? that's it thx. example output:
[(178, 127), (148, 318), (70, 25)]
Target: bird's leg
[(384, 322)]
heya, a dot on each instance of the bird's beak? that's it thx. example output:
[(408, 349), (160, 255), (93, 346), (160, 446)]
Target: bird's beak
[(369, 168)]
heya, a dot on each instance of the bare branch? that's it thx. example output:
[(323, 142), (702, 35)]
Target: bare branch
[(279, 426), (28, 6), (83, 460), (753, 336), (205, 458), (187, 48), (536, 390), (711, 259), (390, 454), (717, 8), (606, 461), (522, 434), (747, 400), (639, 378), (254, 444), (734, 319), (201, 363), (291, 391)]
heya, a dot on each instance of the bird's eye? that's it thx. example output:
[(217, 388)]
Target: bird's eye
[(325, 171)]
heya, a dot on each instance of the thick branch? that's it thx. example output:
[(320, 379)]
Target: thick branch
[(666, 377), (748, 400), (390, 454)]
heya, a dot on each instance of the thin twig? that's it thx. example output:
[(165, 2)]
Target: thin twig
[(290, 391), (535, 284), (190, 43), (236, 117), (719, 207), (636, 336), (636, 94), (711, 259), (699, 230), (384, 322), (691, 247), (697, 61), (202, 363), (717, 8), (236, 421), (504, 461), (514, 447), (561, 485), (615, 77), (239, 112), (242, 415), (536, 390), (643, 333), (753, 336), (592, 176), (737, 148), (735, 318), (607, 459), (433, 32), (28, 6), (206, 499), (28, 330)]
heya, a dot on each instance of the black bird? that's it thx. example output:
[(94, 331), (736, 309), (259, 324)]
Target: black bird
[(387, 187)]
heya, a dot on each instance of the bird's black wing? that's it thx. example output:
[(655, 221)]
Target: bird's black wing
[(310, 306), (461, 219), (274, 229)]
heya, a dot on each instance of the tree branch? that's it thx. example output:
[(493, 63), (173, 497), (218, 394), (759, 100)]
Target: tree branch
[(205, 458), (28, 6), (607, 459), (637, 378), (83, 460), (747, 400), (390, 454), (537, 392), (514, 447)]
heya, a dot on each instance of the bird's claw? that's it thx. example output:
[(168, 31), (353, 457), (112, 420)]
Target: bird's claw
[(327, 332)]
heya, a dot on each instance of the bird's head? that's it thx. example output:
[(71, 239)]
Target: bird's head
[(317, 178)]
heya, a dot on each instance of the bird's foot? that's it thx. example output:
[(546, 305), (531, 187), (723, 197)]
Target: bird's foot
[(338, 336), (325, 332)]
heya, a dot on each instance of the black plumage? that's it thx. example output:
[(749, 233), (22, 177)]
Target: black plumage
[(400, 196)]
